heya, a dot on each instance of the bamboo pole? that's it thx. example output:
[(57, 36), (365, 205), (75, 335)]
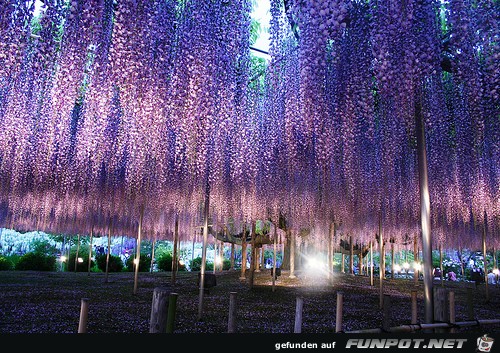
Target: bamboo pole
[(425, 211), (175, 256), (484, 257), (292, 254), (90, 251), (275, 244), (351, 256), (244, 253), (77, 251), (441, 264), (371, 264), (381, 263), (108, 252), (204, 251), (138, 250), (151, 264)]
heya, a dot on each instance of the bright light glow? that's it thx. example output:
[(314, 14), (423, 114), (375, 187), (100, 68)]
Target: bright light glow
[(417, 266), (315, 263), (397, 268), (63, 258), (406, 266), (80, 260), (496, 271), (136, 261), (218, 260), (181, 262)]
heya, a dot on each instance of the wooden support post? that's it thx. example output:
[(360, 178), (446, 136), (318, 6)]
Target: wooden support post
[(371, 264), (441, 264), (77, 250), (108, 252), (386, 321), (90, 250), (392, 260), (231, 322), (351, 256), (381, 263), (159, 309), (84, 312), (292, 254), (172, 307), (298, 315), (275, 245), (138, 251), (244, 253), (484, 257), (414, 307), (451, 300), (231, 267), (339, 309), (415, 260), (206, 211), (342, 266), (175, 256)]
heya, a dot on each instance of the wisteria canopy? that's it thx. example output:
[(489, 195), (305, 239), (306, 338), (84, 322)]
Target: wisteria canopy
[(110, 108)]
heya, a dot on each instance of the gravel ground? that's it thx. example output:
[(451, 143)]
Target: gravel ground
[(50, 302)]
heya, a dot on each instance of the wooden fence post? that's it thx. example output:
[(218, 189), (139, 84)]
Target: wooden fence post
[(84, 310), (159, 309), (231, 322), (172, 305), (338, 318), (414, 307), (298, 315), (386, 320)]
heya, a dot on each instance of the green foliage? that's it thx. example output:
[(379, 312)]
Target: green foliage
[(195, 264), (165, 263), (44, 247), (115, 263), (80, 266), (36, 261), (226, 264), (6, 264), (144, 263)]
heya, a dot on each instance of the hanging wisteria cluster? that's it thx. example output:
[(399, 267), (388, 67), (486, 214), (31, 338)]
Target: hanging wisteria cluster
[(115, 112)]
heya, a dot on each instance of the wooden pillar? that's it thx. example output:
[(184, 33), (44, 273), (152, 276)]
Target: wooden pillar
[(371, 264), (339, 309), (484, 257), (138, 250), (351, 256), (206, 211), (175, 257), (159, 309), (84, 311), (231, 321), (232, 257), (298, 315), (90, 250), (415, 257), (292, 254), (441, 264), (152, 255), (108, 252), (77, 251), (253, 259), (381, 264), (392, 259), (329, 255), (342, 265), (244, 253), (275, 245)]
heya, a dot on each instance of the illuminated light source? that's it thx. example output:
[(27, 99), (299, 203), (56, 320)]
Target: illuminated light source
[(136, 261), (181, 262), (397, 268), (406, 266), (63, 258), (417, 266), (80, 260), (218, 260), (496, 271)]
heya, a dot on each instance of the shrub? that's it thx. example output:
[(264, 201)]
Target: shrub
[(115, 263), (37, 262), (165, 263), (81, 266), (6, 264), (144, 263), (195, 265)]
